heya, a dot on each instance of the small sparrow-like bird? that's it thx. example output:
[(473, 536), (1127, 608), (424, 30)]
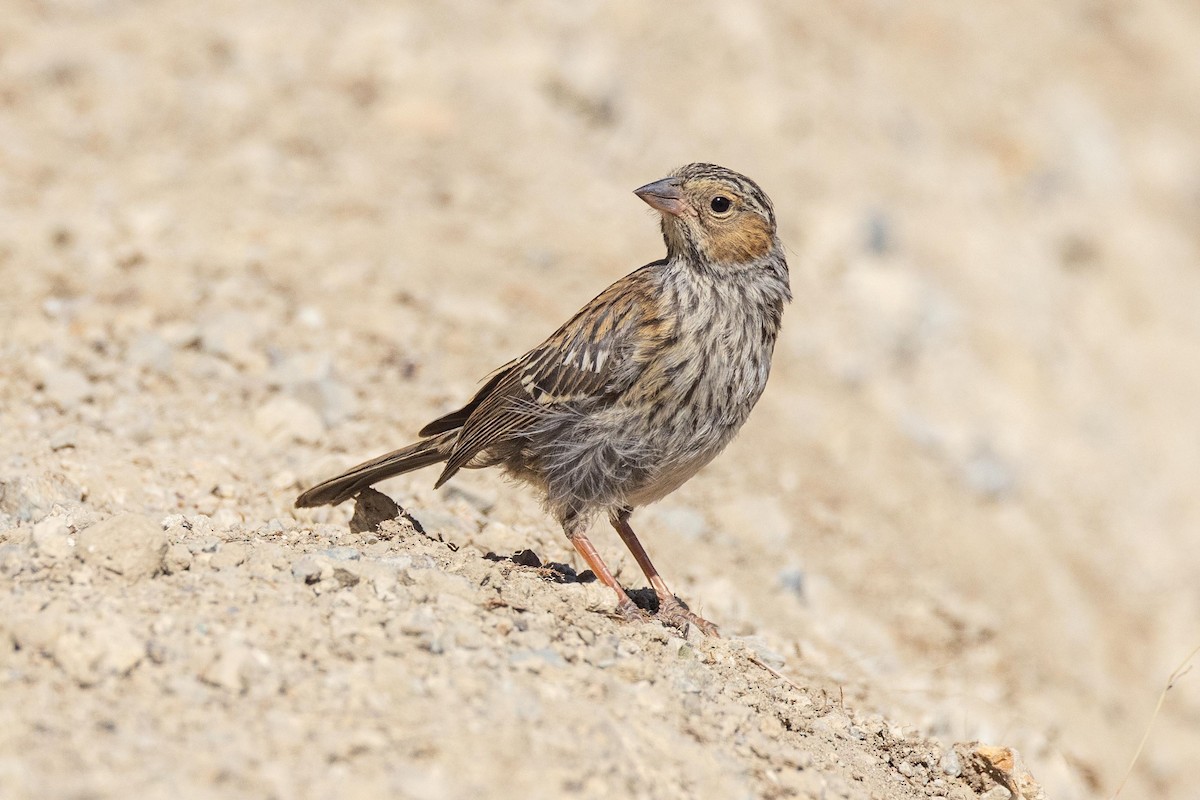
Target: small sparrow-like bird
[(637, 391)]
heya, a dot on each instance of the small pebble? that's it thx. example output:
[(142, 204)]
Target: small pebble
[(229, 555), (233, 335), (131, 545), (67, 388), (791, 580), (763, 651), (178, 559), (342, 553), (204, 544), (285, 419), (96, 650), (151, 352), (311, 570), (52, 538)]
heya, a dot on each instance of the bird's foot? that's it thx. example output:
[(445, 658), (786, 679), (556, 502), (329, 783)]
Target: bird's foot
[(677, 615), (629, 611)]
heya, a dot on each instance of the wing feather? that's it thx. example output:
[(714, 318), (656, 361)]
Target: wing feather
[(590, 360)]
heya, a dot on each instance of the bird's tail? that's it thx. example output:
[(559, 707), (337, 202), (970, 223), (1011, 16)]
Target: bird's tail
[(433, 450)]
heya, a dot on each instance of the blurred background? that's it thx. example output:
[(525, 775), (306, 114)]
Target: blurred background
[(245, 244)]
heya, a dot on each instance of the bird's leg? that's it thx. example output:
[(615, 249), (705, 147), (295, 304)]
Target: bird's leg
[(577, 536), (670, 610)]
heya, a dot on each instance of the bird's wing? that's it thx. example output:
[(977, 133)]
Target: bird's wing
[(591, 359)]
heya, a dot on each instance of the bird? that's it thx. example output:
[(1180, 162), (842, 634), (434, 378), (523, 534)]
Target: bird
[(637, 391)]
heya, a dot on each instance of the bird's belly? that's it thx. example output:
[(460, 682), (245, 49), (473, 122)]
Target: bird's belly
[(675, 453), (667, 479), (616, 458)]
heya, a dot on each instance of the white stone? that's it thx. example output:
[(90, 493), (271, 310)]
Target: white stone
[(285, 419)]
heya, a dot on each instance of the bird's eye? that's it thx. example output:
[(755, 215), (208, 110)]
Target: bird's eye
[(720, 204)]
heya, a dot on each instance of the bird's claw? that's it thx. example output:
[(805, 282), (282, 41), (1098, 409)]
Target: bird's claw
[(629, 611), (677, 615)]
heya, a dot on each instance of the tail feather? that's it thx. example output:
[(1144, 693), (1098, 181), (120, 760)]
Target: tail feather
[(341, 488)]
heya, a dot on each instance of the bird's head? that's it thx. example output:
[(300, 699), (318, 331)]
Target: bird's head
[(714, 216)]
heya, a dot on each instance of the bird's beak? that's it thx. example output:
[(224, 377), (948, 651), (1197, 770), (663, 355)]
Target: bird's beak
[(665, 196)]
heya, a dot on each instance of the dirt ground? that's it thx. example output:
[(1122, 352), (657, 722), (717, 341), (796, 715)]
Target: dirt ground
[(244, 245)]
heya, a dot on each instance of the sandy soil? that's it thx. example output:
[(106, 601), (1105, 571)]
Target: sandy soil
[(244, 245)]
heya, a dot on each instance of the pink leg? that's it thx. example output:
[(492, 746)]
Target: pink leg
[(670, 610), (625, 606)]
